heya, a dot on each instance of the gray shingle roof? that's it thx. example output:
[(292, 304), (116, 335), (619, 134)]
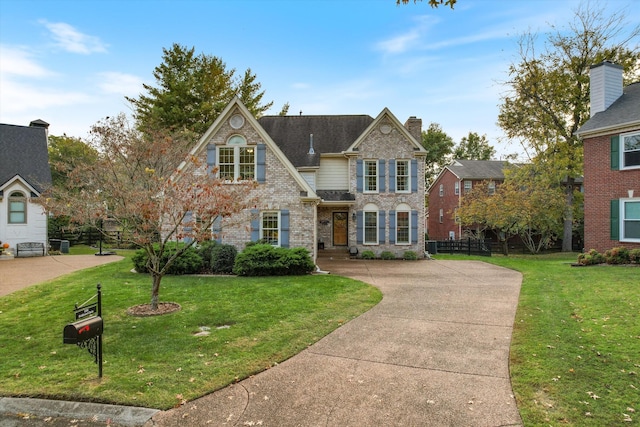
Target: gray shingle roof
[(624, 110), (23, 151), (478, 169), (331, 134)]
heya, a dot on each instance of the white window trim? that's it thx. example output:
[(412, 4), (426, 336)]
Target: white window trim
[(365, 176), (491, 187), (407, 175), (441, 190), (621, 150), (279, 226), (408, 242), (364, 228), (236, 158), (456, 188), (441, 216), (622, 219), (13, 198), (467, 190)]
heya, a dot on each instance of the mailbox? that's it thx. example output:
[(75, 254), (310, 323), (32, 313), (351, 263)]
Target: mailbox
[(82, 330)]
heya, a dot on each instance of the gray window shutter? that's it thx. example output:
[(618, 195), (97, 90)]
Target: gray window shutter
[(382, 176), (615, 219), (211, 157), (261, 163), (188, 217), (381, 226), (414, 226), (359, 175), (216, 229), (414, 175), (392, 227), (255, 225), (392, 176), (284, 228), (359, 227)]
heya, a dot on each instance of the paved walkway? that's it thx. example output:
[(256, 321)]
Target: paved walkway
[(434, 352)]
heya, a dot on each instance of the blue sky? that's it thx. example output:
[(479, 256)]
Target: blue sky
[(72, 62)]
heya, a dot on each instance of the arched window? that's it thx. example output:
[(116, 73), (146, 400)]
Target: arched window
[(370, 224), (236, 160), (17, 208), (403, 224)]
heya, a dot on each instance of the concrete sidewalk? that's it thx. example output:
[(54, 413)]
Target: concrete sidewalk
[(434, 352)]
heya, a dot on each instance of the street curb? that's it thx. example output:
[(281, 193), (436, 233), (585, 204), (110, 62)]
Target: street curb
[(129, 416)]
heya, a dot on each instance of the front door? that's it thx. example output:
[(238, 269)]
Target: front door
[(340, 228)]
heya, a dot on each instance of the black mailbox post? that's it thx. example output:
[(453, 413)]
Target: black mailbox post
[(82, 330), (86, 331)]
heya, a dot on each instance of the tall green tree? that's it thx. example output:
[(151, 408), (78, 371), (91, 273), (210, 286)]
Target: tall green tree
[(66, 153), (474, 147), (191, 90), (439, 147), (548, 97)]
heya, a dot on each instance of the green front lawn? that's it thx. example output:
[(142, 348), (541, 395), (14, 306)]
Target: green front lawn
[(157, 361), (575, 353)]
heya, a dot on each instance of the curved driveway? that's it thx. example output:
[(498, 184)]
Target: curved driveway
[(434, 352)]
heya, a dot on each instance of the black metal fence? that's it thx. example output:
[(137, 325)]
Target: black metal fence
[(464, 246)]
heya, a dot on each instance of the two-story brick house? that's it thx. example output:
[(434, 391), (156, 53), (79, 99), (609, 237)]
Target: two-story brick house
[(447, 190), (323, 182), (612, 161)]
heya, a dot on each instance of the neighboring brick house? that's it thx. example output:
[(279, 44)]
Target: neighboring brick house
[(447, 189), (324, 182), (24, 175), (611, 161)]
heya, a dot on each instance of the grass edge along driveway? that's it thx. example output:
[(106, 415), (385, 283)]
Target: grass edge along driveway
[(159, 362)]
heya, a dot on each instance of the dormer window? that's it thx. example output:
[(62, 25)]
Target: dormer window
[(236, 160)]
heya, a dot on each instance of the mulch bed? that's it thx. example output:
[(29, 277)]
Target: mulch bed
[(144, 310)]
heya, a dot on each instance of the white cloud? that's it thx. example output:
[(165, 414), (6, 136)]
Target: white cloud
[(409, 39), (18, 62), (120, 83), (72, 40)]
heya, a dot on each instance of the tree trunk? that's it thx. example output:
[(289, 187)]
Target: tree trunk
[(567, 231), (155, 290)]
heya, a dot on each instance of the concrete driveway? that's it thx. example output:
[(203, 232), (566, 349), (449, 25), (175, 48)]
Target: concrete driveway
[(434, 352)]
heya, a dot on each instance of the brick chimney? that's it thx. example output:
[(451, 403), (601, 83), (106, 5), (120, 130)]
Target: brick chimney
[(606, 85), (414, 126)]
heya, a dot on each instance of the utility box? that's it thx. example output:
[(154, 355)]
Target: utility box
[(82, 330)]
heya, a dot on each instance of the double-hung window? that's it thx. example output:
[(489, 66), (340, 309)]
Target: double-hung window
[(403, 227), (236, 160), (467, 186), (630, 220), (630, 150), (370, 228), (492, 187), (370, 176), (456, 188), (402, 176), (17, 208), (270, 227)]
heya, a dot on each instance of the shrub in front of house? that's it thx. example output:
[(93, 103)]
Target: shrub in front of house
[(634, 256), (205, 249), (222, 258), (409, 256), (387, 255), (189, 262), (368, 255), (592, 257), (267, 260), (619, 255)]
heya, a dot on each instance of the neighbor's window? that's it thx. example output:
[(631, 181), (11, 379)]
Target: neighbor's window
[(371, 176), (236, 160), (403, 227), (467, 186), (270, 228), (370, 228), (456, 188), (630, 220), (17, 208), (630, 150), (441, 192), (492, 187), (441, 216), (402, 176)]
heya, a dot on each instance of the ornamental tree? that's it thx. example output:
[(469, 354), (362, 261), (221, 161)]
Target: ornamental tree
[(148, 186)]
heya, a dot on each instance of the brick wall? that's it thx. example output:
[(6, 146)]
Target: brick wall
[(447, 202), (601, 185)]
